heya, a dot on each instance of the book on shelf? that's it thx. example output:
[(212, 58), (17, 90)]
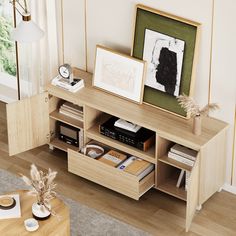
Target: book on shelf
[(180, 178), (73, 87), (73, 107), (76, 117), (184, 151), (136, 166), (113, 158), (12, 211), (71, 111), (181, 159), (183, 179)]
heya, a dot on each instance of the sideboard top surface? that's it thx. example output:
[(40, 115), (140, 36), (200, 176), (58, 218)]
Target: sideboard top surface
[(166, 125)]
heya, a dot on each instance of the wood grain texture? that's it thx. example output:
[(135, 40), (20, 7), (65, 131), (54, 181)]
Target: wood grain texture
[(212, 167), (50, 227), (28, 123), (109, 176), (155, 212), (172, 162), (66, 119), (192, 194), (142, 115)]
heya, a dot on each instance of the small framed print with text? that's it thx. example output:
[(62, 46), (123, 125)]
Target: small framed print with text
[(119, 74)]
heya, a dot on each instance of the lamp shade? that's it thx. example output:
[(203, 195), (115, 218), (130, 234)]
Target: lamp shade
[(26, 31)]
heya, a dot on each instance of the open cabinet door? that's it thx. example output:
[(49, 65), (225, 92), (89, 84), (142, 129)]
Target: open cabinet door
[(192, 193), (28, 123)]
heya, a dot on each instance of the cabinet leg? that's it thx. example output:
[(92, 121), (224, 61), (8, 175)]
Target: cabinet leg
[(51, 147), (199, 207), (220, 189)]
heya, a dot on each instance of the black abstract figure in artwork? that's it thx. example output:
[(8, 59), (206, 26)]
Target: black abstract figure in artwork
[(166, 70), (164, 55)]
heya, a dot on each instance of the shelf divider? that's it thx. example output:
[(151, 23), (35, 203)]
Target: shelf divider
[(57, 143), (180, 165)]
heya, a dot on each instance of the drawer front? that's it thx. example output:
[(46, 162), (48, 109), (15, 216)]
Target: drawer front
[(108, 176)]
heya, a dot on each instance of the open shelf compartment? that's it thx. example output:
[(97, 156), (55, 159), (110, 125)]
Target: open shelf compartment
[(93, 133), (57, 143), (167, 177), (66, 119)]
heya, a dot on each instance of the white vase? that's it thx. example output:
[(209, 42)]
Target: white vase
[(40, 212), (197, 125)]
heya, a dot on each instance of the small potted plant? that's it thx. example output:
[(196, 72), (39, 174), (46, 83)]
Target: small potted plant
[(42, 186), (194, 110)]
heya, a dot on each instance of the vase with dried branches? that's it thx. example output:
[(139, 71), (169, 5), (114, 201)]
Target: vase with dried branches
[(194, 111), (42, 186)]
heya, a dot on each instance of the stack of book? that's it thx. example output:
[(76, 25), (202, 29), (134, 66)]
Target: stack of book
[(183, 154), (71, 110), (136, 166), (65, 84)]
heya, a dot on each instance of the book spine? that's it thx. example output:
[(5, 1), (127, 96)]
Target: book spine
[(146, 172), (193, 158), (71, 111), (70, 115), (181, 159), (126, 163), (79, 109), (180, 179)]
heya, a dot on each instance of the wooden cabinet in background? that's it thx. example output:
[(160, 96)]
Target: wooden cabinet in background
[(31, 122)]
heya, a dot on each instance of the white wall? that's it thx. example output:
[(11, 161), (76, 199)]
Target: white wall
[(223, 87), (110, 23), (74, 32)]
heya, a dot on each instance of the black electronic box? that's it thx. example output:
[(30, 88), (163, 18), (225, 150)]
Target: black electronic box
[(68, 134), (142, 139)]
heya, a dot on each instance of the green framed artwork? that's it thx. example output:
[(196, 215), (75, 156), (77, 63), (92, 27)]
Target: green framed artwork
[(169, 45)]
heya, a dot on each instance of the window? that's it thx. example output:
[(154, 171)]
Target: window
[(7, 47), (7, 51)]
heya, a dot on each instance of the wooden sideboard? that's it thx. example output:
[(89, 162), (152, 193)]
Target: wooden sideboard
[(32, 122)]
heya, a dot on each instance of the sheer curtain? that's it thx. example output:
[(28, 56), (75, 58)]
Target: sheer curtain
[(38, 61)]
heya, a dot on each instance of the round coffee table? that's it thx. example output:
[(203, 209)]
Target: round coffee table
[(59, 226)]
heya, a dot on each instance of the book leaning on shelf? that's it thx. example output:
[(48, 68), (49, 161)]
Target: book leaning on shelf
[(183, 178), (136, 166)]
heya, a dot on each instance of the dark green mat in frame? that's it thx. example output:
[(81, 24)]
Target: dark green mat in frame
[(188, 31)]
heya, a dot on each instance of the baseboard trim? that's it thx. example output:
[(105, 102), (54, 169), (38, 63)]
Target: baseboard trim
[(230, 188)]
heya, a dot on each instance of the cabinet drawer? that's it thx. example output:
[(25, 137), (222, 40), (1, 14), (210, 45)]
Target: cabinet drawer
[(109, 176)]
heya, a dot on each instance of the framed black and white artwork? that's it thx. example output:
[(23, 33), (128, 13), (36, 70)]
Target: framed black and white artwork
[(169, 45), (164, 57)]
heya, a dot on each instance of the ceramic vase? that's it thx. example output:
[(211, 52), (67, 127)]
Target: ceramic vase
[(40, 212), (197, 125)]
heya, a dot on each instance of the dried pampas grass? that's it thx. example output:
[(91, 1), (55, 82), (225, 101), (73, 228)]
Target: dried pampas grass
[(193, 109), (42, 185)]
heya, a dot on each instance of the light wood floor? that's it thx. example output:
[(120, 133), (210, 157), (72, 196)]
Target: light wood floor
[(156, 212)]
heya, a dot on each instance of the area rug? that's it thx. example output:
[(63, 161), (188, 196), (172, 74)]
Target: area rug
[(84, 220)]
